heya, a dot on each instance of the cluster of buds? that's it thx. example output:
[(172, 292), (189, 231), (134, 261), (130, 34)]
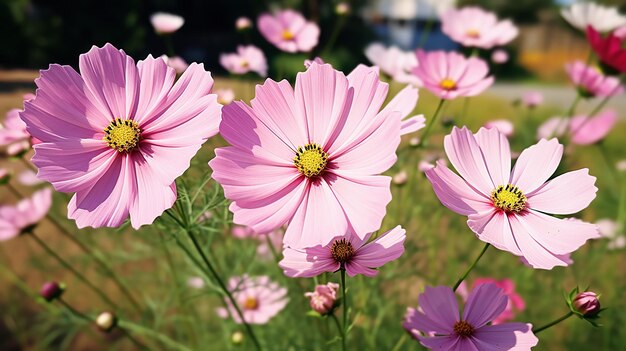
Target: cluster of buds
[(324, 299)]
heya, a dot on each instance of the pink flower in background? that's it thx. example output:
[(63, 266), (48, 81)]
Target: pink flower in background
[(591, 82), (450, 75), (196, 282), (119, 134), (394, 62), (609, 229), (13, 133), (584, 14), (4, 174), (289, 31), (225, 96), (243, 23), (500, 56), (248, 58), (472, 26), (242, 232), (508, 208), (28, 177), (349, 251), (504, 126), (532, 99), (166, 23), (312, 157), (554, 127), (400, 178), (585, 131), (515, 304), (27, 212), (323, 299), (258, 298), (264, 251), (438, 325), (176, 62)]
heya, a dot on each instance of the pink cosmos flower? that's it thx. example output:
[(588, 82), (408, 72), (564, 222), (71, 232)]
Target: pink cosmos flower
[(263, 251), (312, 157), (499, 56), (242, 232), (347, 251), (438, 325), (13, 133), (532, 99), (474, 27), (176, 62), (581, 130), (289, 31), (450, 75), (259, 299), (119, 134), (508, 208), (591, 82), (504, 126), (225, 96), (394, 62), (515, 304), (28, 177), (27, 212), (166, 23), (323, 299), (248, 58)]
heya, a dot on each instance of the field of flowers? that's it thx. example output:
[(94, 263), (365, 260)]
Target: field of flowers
[(399, 205)]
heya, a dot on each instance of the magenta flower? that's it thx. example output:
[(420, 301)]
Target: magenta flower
[(515, 303), (349, 251), (438, 325), (507, 208), (312, 157), (13, 133), (591, 82), (474, 27), (289, 31), (258, 298), (587, 303), (27, 212), (394, 62), (119, 134), (248, 58), (166, 23), (450, 75)]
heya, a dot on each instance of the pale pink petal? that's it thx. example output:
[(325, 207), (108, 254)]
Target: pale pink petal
[(308, 37), (468, 159), (484, 304), (7, 230), (455, 193), (568, 193), (386, 248), (587, 130), (536, 164), (156, 80), (497, 154), (309, 262), (507, 336), (493, 227)]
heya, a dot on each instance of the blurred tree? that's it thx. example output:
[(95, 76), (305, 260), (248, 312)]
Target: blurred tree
[(521, 11)]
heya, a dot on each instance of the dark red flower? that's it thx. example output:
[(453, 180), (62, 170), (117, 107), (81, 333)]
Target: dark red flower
[(609, 49)]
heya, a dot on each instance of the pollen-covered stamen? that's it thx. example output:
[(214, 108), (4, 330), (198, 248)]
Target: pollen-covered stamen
[(448, 84), (463, 329), (122, 135), (287, 35), (342, 251), (473, 33), (508, 198), (311, 160), (250, 303)]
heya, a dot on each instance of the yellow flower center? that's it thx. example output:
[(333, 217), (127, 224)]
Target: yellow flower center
[(342, 251), (310, 160), (463, 329), (251, 303), (287, 35), (122, 135), (473, 33), (448, 84), (508, 198)]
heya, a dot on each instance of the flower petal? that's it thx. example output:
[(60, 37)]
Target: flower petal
[(484, 304), (386, 248), (497, 154), (309, 262), (468, 159), (536, 164), (493, 227), (507, 336), (439, 304), (568, 193)]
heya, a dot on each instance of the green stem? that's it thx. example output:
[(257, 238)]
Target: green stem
[(458, 282), (429, 126), (344, 298), (141, 330), (103, 266), (74, 311), (339, 329), (169, 44), (272, 248), (223, 287), (334, 35), (69, 267), (553, 323)]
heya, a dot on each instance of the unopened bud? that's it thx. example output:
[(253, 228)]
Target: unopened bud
[(323, 299), (587, 303), (243, 23), (51, 291), (106, 321)]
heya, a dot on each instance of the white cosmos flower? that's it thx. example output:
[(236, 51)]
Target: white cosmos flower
[(602, 18)]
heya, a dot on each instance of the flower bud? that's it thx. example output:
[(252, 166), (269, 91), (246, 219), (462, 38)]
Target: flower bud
[(243, 23), (587, 303), (323, 299), (106, 321), (236, 338), (400, 178), (51, 291)]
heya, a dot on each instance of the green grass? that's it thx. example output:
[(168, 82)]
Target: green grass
[(439, 248)]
